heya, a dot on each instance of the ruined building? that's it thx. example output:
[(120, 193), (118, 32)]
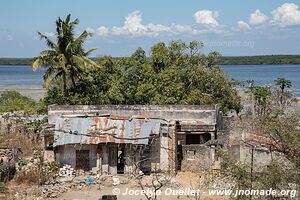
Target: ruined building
[(129, 138)]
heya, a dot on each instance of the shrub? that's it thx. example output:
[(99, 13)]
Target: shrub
[(2, 187)]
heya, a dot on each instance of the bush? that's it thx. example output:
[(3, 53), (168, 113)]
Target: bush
[(2, 187)]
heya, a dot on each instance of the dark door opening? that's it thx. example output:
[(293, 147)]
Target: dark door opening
[(198, 138), (121, 160), (192, 139), (179, 156), (82, 160)]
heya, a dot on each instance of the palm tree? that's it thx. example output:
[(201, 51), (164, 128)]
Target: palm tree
[(66, 57), (282, 83)]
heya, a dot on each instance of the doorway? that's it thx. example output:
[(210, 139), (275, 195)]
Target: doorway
[(121, 160), (82, 160)]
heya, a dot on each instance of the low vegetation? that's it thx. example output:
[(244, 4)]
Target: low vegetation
[(11, 101), (260, 60), (274, 119)]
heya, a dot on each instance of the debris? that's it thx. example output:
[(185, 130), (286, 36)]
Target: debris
[(66, 171), (116, 181)]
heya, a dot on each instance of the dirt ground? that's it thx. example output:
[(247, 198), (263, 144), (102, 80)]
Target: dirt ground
[(183, 182)]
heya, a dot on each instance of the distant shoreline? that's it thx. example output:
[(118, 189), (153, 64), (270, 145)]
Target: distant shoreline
[(224, 60)]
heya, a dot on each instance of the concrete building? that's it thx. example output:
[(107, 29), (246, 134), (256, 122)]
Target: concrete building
[(128, 138)]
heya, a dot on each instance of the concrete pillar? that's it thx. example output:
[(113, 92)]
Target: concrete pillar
[(172, 149), (212, 135), (105, 168), (129, 153), (164, 151), (113, 160)]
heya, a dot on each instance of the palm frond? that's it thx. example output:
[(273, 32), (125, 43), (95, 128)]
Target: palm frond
[(49, 75), (37, 63), (90, 51), (49, 42), (84, 63)]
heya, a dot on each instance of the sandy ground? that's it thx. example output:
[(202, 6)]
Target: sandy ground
[(33, 93)]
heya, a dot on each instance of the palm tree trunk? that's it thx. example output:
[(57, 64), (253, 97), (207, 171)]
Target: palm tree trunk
[(281, 96), (64, 86), (73, 81)]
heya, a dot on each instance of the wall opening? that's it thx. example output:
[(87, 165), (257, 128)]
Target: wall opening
[(198, 138), (82, 160), (121, 160)]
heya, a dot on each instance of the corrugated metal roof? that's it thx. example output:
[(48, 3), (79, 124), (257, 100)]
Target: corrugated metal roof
[(103, 129)]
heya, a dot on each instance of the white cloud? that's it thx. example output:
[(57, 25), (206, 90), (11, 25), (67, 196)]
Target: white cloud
[(286, 15), (243, 25), (207, 17), (102, 30), (116, 30), (158, 28), (133, 26), (257, 18), (182, 28)]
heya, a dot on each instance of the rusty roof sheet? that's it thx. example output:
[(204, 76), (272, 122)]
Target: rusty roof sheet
[(103, 129)]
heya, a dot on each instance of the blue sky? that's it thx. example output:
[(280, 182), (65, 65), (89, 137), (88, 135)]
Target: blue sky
[(232, 27)]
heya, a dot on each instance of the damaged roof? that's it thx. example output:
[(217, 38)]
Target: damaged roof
[(104, 129)]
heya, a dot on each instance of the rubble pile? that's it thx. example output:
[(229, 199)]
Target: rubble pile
[(55, 188), (67, 178), (66, 171)]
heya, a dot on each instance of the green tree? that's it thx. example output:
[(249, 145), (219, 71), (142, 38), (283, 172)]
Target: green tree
[(283, 84), (175, 73), (66, 58), (261, 95)]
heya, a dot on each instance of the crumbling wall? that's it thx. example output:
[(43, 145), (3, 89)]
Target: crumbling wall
[(197, 157)]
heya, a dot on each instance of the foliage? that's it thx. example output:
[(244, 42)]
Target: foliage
[(261, 95), (13, 101), (4, 167), (177, 73), (22, 162), (224, 60), (283, 128), (3, 188), (276, 176), (283, 84), (66, 61), (238, 171), (15, 61), (259, 60)]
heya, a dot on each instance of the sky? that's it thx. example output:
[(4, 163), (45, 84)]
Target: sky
[(231, 27)]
